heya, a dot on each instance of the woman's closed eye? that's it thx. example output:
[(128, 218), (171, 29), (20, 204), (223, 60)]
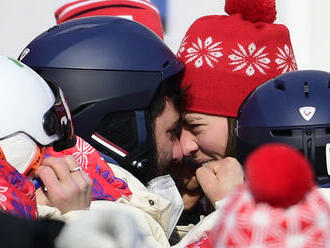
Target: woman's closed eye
[(195, 127)]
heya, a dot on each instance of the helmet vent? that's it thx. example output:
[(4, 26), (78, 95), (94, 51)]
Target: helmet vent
[(279, 85), (281, 132), (81, 108), (329, 83), (306, 89), (166, 64), (53, 28)]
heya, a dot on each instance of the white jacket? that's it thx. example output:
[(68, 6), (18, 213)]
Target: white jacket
[(152, 210), (195, 233), (118, 228)]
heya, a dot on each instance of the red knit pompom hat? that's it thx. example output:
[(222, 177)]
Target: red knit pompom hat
[(227, 57), (279, 207), (141, 11)]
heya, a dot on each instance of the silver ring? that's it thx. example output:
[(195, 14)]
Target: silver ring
[(75, 169)]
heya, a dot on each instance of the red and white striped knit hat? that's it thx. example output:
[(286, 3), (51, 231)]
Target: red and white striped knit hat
[(279, 207), (141, 11), (227, 57)]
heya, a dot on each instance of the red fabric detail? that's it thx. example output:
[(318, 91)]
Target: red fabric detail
[(2, 155), (253, 10), (17, 193), (230, 242), (270, 239), (106, 186), (319, 236), (304, 224), (140, 12), (227, 57), (263, 225), (204, 242), (284, 225), (278, 174)]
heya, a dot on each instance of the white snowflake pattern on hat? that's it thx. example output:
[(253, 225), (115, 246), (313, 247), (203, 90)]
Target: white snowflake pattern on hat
[(182, 46), (251, 59), (207, 51), (285, 59), (83, 150), (246, 224)]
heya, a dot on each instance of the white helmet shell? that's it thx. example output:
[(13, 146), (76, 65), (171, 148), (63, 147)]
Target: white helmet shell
[(25, 98)]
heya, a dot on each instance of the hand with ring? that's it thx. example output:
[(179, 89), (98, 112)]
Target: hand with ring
[(76, 169), (68, 186)]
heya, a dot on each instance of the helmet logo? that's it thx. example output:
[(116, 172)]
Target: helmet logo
[(23, 54), (19, 64), (64, 121), (128, 17), (307, 112)]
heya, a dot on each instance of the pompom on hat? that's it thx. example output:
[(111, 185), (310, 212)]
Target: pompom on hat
[(227, 57), (141, 11), (278, 207)]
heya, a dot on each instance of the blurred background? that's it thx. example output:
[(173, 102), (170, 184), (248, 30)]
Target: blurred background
[(307, 20)]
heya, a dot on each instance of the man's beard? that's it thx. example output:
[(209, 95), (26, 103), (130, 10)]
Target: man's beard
[(164, 164)]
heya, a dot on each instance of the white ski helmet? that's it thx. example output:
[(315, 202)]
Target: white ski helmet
[(31, 108)]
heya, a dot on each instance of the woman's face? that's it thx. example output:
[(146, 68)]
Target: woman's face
[(204, 137)]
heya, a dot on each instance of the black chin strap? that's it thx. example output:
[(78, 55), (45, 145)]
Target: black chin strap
[(309, 144), (142, 162)]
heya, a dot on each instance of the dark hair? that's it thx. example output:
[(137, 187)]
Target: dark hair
[(231, 143), (121, 129), (168, 90)]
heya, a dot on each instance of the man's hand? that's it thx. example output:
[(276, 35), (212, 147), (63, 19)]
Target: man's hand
[(63, 188), (218, 178)]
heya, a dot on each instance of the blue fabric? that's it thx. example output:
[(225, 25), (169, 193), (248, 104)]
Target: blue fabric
[(327, 185), (109, 159)]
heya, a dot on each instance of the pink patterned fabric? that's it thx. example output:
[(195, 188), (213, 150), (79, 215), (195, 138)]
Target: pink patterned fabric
[(106, 186), (17, 193)]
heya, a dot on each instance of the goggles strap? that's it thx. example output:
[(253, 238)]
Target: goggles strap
[(35, 163)]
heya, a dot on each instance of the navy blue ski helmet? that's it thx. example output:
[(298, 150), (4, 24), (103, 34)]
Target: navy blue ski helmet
[(109, 69), (294, 109)]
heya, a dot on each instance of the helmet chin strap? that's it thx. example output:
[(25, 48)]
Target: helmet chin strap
[(29, 157)]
